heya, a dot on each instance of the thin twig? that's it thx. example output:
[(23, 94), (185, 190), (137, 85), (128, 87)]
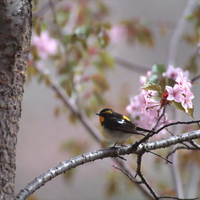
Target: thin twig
[(130, 172), (195, 78), (159, 118), (74, 109), (144, 181), (131, 65), (168, 161), (174, 150), (192, 142), (153, 132), (186, 145), (127, 174), (176, 123), (179, 31), (197, 146), (43, 9), (171, 197), (53, 11)]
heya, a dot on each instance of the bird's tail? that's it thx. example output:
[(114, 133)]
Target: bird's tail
[(142, 130)]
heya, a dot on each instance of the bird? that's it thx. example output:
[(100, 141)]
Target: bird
[(116, 127)]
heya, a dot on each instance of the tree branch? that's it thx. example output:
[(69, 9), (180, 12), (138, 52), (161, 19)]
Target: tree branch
[(74, 109), (101, 154)]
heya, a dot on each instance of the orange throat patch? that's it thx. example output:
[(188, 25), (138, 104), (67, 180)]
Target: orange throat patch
[(101, 119)]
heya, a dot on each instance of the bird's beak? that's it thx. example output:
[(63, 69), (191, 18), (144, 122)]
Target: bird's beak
[(97, 114)]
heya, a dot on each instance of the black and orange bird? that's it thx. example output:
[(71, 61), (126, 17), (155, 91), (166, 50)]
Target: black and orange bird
[(116, 127)]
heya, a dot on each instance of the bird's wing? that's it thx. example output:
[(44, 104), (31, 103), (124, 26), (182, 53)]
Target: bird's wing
[(123, 125)]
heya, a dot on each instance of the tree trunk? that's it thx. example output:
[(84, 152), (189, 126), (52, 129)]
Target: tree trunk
[(15, 35)]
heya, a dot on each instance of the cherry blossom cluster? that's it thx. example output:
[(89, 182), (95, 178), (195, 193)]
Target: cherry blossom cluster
[(147, 107), (117, 33), (44, 44), (180, 92)]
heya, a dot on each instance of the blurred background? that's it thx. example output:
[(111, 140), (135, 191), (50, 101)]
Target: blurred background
[(43, 136)]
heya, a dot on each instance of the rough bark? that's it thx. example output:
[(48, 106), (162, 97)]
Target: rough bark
[(15, 35)]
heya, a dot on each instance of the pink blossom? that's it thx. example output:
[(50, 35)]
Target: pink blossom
[(143, 79), (132, 108), (175, 93), (45, 44), (146, 100), (187, 101), (183, 80), (173, 72), (144, 109), (181, 92), (117, 33)]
